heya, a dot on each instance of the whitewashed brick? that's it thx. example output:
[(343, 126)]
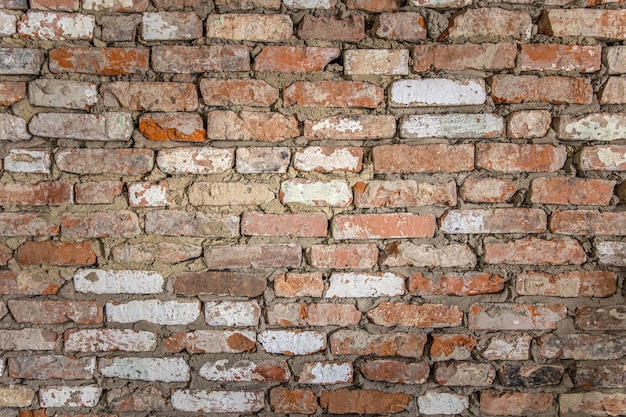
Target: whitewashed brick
[(326, 373), (166, 313), (33, 161), (105, 340), (616, 59), (245, 371), (105, 127), (317, 158), (142, 194), (440, 4), (16, 396), (310, 4), (202, 161), (506, 347), (218, 401), (13, 128), (158, 26), (100, 281), (145, 369), (433, 402), (438, 92), (232, 313), (353, 285), (376, 61), (59, 396), (62, 93), (56, 26), (597, 126), (292, 342), (263, 160), (8, 24), (456, 255), (333, 193), (611, 253), (452, 126)]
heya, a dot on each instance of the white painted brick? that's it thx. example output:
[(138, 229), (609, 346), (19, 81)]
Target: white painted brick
[(597, 126), (232, 313), (317, 158), (611, 253), (104, 340), (218, 401), (440, 4), (170, 26), (433, 402), (57, 26), (59, 396), (145, 369), (33, 161), (310, 4), (326, 373), (438, 92), (292, 342), (8, 24), (62, 93), (452, 126), (203, 161), (13, 128), (141, 194), (353, 285), (333, 193), (245, 371), (167, 313), (100, 281)]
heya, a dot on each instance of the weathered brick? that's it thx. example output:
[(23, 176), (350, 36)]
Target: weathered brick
[(104, 127), (56, 26), (489, 25), (105, 161), (452, 347), (218, 401), (354, 285), (427, 255), (294, 224), (13, 128), (192, 59), (165, 313), (145, 369), (408, 26), (75, 396), (253, 256), (416, 315), (363, 401), (51, 311), (505, 346), (116, 5), (27, 282), (601, 318), (355, 256), (310, 4), (103, 192), (571, 191), (482, 57), (593, 403), (11, 92), (332, 28), (107, 340), (376, 61), (211, 341), (333, 94), (246, 371), (588, 222), (20, 61), (404, 193), (285, 400), (140, 399), (395, 371), (28, 339), (334, 193), (99, 61), (218, 92), (27, 224), (307, 315), (16, 396), (294, 59), (170, 26), (451, 126), (292, 342), (55, 253), (502, 316), (247, 125), (229, 194), (443, 4), (59, 5), (458, 373), (327, 159), (496, 403), (151, 96), (34, 161), (326, 373), (375, 5), (62, 93), (243, 284), (357, 127), (554, 57), (232, 313), (550, 89), (567, 284), (615, 59), (598, 376), (595, 126), (253, 160), (101, 281), (100, 224), (14, 4), (517, 375), (191, 223), (402, 159), (432, 402), (512, 158), (52, 193), (249, 27), (359, 342), (383, 226), (488, 190), (593, 23), (582, 347), (526, 124), (182, 127), (613, 91), (508, 220), (299, 284), (51, 367), (603, 158), (202, 161), (147, 194), (470, 283), (611, 253), (437, 92), (6, 254), (120, 28)]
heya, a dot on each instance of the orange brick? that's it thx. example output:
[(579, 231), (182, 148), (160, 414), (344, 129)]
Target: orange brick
[(375, 5), (300, 401), (294, 59), (471, 283), (181, 127), (511, 157), (99, 61), (402, 159), (56, 253), (356, 256), (550, 89), (218, 92), (299, 284), (572, 58), (588, 222), (416, 315), (580, 191), (535, 251), (383, 226), (11, 92), (452, 347), (361, 401)]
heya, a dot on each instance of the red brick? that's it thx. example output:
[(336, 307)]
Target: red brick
[(139, 399), (303, 314), (100, 224), (407, 26), (300, 401), (506, 220), (151, 96), (362, 401), (58, 5), (333, 94), (356, 256), (496, 403), (488, 190), (613, 91), (554, 57), (375, 5), (103, 192), (404, 193), (527, 124), (99, 61), (222, 283), (249, 27), (604, 318), (488, 25), (6, 254), (452, 347), (218, 92), (358, 342), (395, 371), (27, 224), (601, 24), (31, 283), (567, 284), (482, 57), (105, 161), (515, 316), (247, 125), (603, 158), (402, 159), (598, 376), (531, 250), (32, 413), (181, 127), (51, 367), (295, 224), (303, 284), (471, 283), (332, 28), (56, 253), (416, 315), (11, 92), (193, 59), (457, 373), (40, 194), (512, 158), (48, 311), (588, 222), (578, 191), (549, 89), (383, 226), (253, 256), (294, 59), (355, 127)]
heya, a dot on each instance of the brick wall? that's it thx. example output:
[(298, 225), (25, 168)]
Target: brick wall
[(312, 207)]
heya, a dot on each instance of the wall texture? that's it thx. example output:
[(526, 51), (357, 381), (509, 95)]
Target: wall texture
[(312, 207)]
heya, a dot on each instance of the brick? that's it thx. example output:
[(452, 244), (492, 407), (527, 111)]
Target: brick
[(182, 4), (28, 339), (426, 255), (526, 124), (211, 341), (596, 126), (592, 403), (406, 26), (603, 158), (146, 194), (571, 191), (59, 5), (507, 347), (116, 5), (451, 126), (166, 313), (488, 190), (241, 284), (327, 159), (56, 26), (374, 5), (501, 316), (376, 61), (333, 94), (395, 371), (193, 59), (599, 376), (489, 25), (513, 158), (246, 371), (55, 253), (253, 256), (7, 24), (432, 402), (601, 318), (582, 347), (452, 347), (105, 127), (596, 23), (359, 342), (15, 61), (471, 283), (232, 313), (249, 27), (192, 224), (101, 281), (567, 284), (170, 26), (423, 158), (496, 403), (334, 193), (294, 224), (99, 61), (11, 92), (420, 93), (27, 224), (145, 369), (61, 93), (261, 126), (517, 375), (326, 373), (404, 193), (120, 28), (355, 256), (41, 194), (554, 57), (26, 282), (310, 4), (383, 226), (152, 96), (229, 194), (6, 254), (202, 161), (108, 340), (218, 92), (441, 4), (150, 252), (13, 128), (14, 4), (294, 59), (332, 28), (50, 311), (357, 127), (35, 161), (103, 192), (363, 401), (508, 220), (307, 315), (353, 285), (285, 400), (615, 59), (292, 342), (16, 396), (611, 253), (52, 367), (295, 284), (253, 160), (104, 161), (140, 399), (549, 89), (464, 374), (100, 224), (482, 57), (416, 315), (587, 222), (218, 401), (182, 127), (613, 91)]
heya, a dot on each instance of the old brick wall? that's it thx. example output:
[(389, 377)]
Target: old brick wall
[(316, 207)]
